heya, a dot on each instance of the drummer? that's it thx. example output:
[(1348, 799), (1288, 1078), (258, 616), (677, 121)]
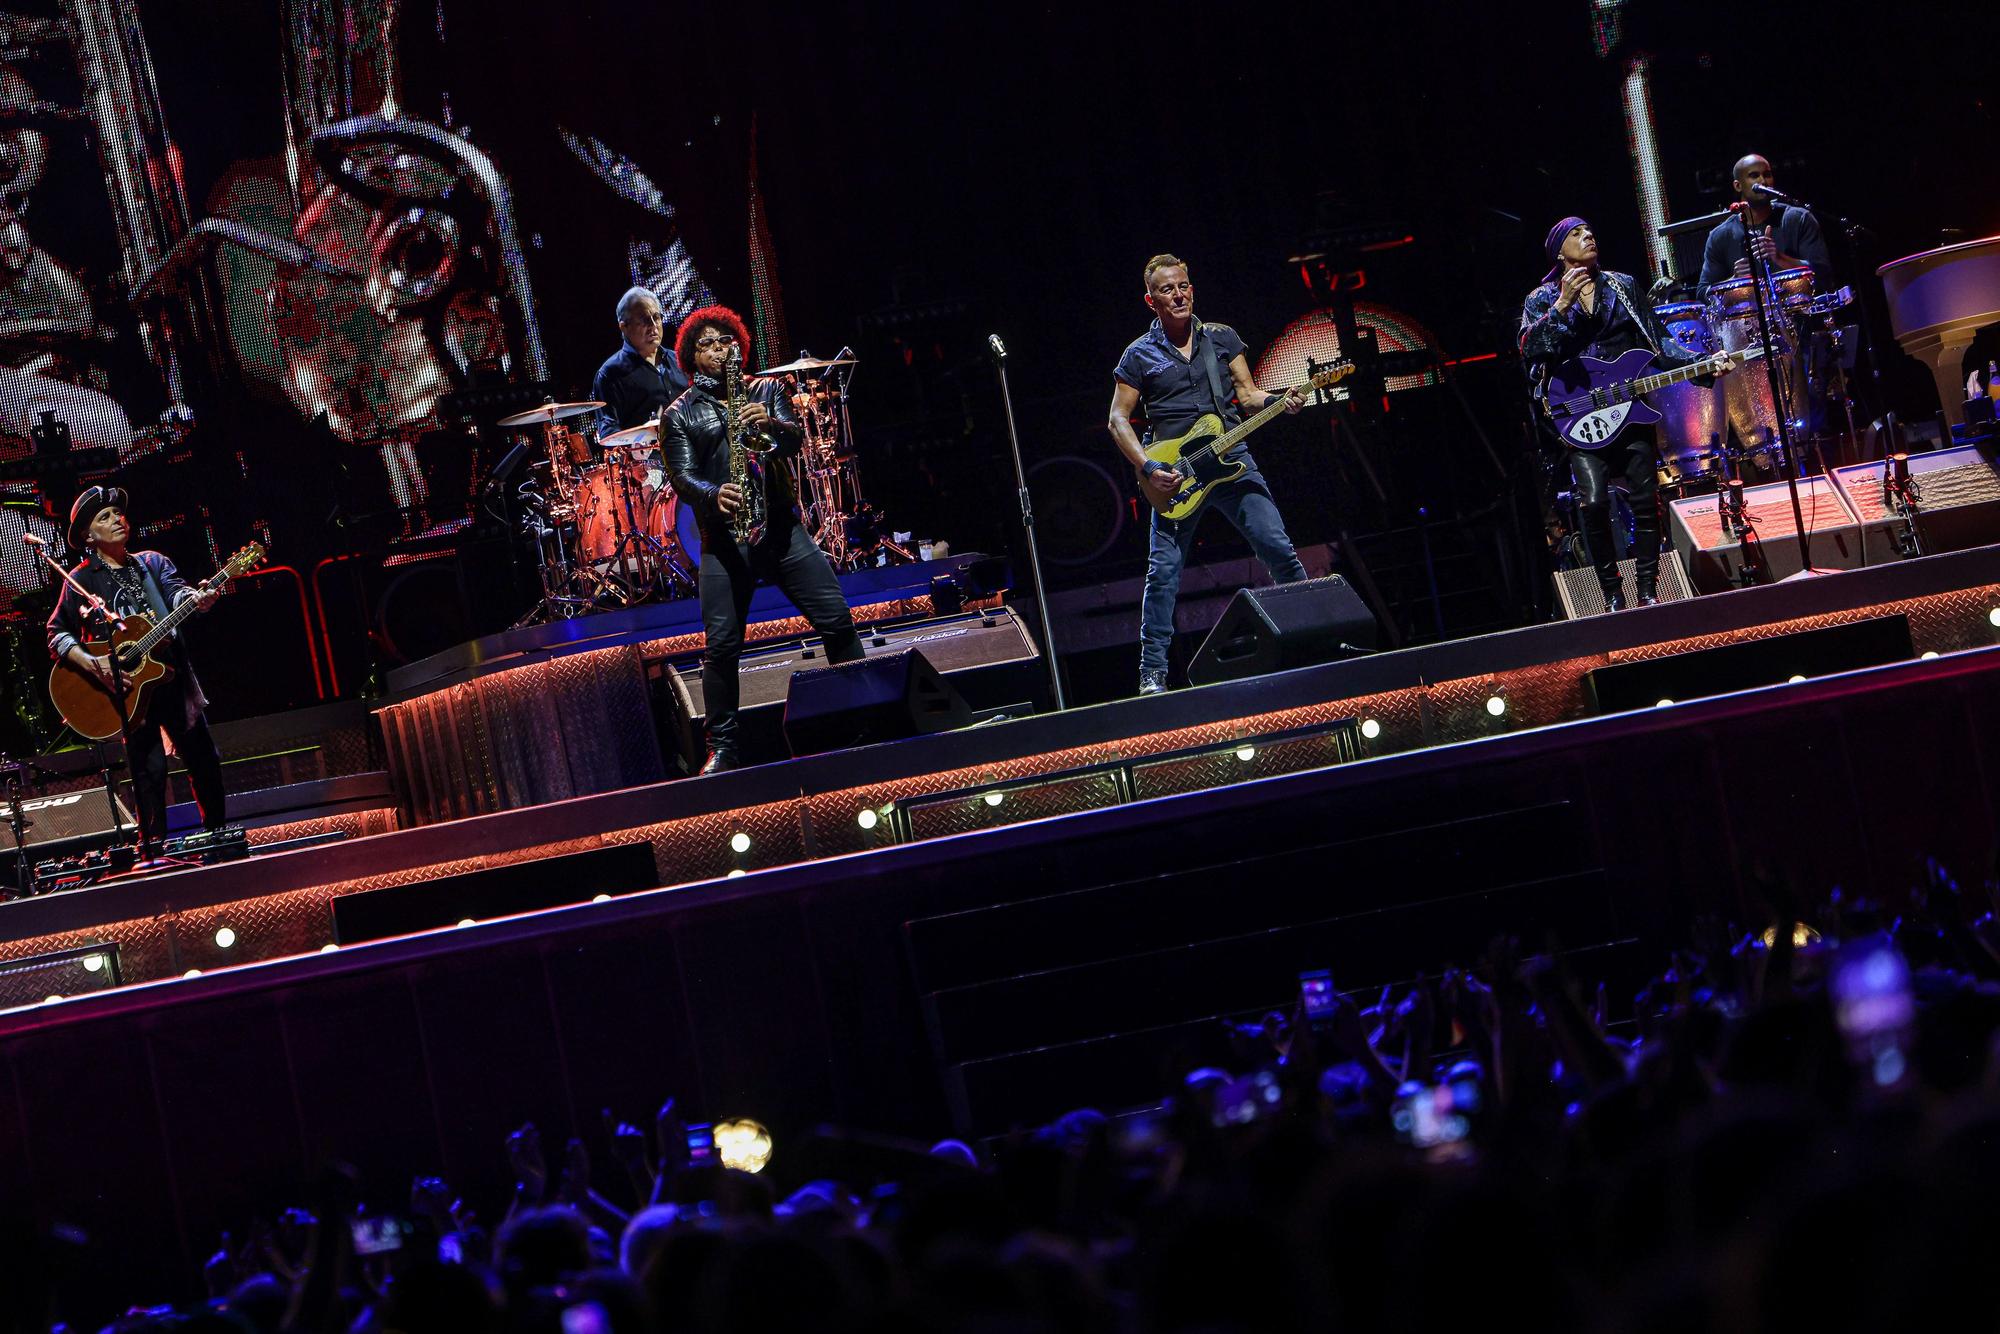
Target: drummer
[(1786, 237), (641, 377)]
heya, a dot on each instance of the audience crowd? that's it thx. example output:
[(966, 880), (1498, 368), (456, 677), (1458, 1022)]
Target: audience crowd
[(1793, 1127)]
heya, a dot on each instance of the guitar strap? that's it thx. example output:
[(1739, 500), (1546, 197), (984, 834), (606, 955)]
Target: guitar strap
[(1214, 373), (1632, 308)]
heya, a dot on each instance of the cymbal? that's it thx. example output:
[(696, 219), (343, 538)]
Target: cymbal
[(632, 437), (548, 412), (806, 364)]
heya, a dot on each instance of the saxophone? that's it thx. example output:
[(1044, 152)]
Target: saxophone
[(747, 524)]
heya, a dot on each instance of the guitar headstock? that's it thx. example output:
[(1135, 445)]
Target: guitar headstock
[(248, 558), (1331, 374)]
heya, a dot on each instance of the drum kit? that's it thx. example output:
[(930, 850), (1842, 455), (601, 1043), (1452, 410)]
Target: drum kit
[(610, 531), (1712, 431)]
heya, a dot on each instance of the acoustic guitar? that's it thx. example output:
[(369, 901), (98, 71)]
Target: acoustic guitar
[(1201, 455), (87, 704)]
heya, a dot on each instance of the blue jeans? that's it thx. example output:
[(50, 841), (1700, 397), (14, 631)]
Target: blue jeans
[(1247, 504)]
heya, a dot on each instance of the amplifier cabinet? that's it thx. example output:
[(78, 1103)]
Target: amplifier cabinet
[(1714, 557), (1958, 503)]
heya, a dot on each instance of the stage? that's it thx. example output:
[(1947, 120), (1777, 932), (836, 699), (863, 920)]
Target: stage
[(959, 932)]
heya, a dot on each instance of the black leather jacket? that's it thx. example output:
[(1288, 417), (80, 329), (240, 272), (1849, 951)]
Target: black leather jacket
[(696, 448)]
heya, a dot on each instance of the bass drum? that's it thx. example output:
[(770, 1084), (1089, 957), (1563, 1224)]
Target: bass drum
[(1695, 422), (600, 508)]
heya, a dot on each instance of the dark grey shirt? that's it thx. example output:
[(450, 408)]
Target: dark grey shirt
[(1793, 229), (1176, 390)]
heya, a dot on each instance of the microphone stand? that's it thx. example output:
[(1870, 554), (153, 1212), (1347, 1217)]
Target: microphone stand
[(999, 351), (1760, 277), (95, 607)]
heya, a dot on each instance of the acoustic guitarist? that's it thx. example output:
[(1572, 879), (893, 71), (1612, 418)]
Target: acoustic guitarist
[(1176, 369), (144, 583), (1578, 309)]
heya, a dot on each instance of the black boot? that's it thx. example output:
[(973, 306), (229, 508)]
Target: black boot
[(1646, 550), (1594, 525), (720, 761)]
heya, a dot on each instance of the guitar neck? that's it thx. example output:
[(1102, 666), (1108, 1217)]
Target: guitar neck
[(151, 639), (1264, 414)]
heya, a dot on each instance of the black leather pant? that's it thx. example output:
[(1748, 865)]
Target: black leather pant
[(1635, 459), (166, 711), (729, 574)]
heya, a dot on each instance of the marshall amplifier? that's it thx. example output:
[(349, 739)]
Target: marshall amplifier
[(1957, 504), (986, 656), (1715, 558), (63, 823)]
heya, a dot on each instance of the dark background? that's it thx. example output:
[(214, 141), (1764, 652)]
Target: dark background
[(935, 173)]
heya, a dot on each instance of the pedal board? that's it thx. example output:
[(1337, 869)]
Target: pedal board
[(210, 846)]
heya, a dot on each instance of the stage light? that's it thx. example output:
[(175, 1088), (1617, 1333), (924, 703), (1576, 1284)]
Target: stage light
[(734, 871), (192, 972), (739, 842), (1802, 936), (1496, 705), (867, 819), (329, 947), (92, 962), (1794, 680), (742, 1144), (1370, 728), (1246, 753), (1993, 618), (466, 921), (225, 937), (1927, 654), (995, 798), (1664, 704), (600, 898), (52, 998)]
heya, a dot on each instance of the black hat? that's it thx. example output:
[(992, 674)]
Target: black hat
[(93, 502)]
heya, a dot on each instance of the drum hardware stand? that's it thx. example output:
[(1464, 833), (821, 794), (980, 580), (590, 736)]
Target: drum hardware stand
[(999, 352), (552, 565)]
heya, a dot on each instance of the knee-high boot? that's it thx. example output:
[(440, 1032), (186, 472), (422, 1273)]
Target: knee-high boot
[(1594, 525)]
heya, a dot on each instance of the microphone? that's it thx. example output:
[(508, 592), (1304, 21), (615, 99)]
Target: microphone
[(33, 541), (998, 348), (1766, 192)]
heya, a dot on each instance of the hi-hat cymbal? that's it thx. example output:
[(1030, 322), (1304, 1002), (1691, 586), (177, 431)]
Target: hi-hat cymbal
[(632, 437), (806, 364), (548, 412)]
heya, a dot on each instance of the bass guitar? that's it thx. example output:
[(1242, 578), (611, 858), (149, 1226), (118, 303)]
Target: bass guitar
[(87, 704), (1593, 402), (1201, 455)]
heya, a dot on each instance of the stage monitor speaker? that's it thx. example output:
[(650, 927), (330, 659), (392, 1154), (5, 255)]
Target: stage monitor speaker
[(883, 698), (1753, 662), (987, 656), (1958, 503), (497, 891), (63, 823), (1284, 626), (1715, 558), (1579, 594)]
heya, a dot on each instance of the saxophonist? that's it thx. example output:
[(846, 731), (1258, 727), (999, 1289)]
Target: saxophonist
[(721, 439)]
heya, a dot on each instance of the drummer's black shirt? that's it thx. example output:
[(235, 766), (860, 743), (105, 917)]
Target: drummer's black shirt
[(1796, 233), (633, 390)]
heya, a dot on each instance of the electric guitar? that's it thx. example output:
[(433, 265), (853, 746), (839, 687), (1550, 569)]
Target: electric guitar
[(1592, 401), (1201, 456), (87, 704)]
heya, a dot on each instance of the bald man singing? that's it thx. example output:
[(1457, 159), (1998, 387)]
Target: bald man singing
[(1785, 236)]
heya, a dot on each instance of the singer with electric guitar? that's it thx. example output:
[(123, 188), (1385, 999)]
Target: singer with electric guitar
[(1176, 371), (147, 600), (1592, 343)]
